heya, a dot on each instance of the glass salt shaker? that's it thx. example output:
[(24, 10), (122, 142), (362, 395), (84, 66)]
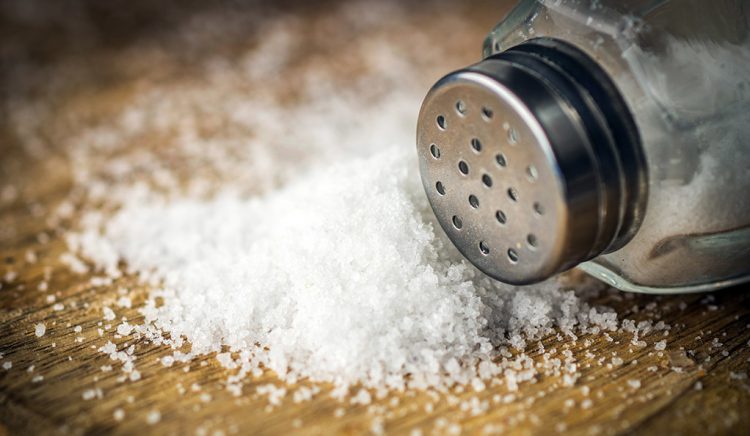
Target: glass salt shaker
[(608, 135)]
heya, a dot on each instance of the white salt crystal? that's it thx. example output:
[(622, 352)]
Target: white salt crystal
[(153, 417), (124, 302), (477, 385), (39, 329), (118, 415), (124, 329), (274, 393), (661, 345), (225, 359), (58, 307), (30, 256), (90, 394), (635, 384), (74, 263), (7, 365), (109, 314), (302, 394), (362, 397), (37, 378)]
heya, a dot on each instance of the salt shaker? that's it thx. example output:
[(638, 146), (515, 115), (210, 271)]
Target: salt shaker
[(608, 135)]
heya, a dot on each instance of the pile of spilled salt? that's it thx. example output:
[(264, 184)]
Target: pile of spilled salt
[(341, 276)]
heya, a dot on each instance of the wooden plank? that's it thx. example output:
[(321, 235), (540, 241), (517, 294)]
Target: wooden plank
[(666, 401)]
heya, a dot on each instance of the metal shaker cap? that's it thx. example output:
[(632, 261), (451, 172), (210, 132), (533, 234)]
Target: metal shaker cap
[(531, 161)]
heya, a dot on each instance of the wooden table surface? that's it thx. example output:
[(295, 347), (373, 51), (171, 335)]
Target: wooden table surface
[(699, 384)]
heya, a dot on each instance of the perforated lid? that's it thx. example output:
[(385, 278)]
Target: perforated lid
[(521, 168)]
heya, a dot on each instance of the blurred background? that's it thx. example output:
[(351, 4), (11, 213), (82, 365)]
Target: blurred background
[(186, 95)]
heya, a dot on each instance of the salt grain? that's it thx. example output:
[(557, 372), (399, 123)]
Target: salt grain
[(635, 384), (109, 314), (153, 417), (39, 330), (124, 302)]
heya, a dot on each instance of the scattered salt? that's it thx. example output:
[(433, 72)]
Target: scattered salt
[(90, 394), (7, 365), (274, 394), (362, 397), (153, 417), (124, 329), (39, 329), (124, 302), (109, 314)]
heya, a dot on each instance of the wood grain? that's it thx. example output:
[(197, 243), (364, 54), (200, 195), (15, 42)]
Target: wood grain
[(192, 398)]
